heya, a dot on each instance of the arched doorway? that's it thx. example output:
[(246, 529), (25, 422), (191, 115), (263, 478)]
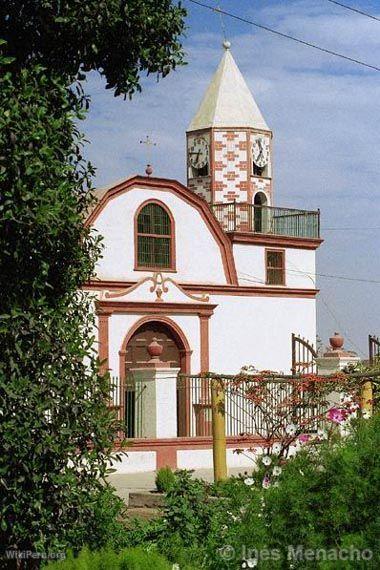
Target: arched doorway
[(136, 350), (134, 354), (260, 212)]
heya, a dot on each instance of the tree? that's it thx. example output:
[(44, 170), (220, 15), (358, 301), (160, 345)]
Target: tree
[(56, 433), (118, 38)]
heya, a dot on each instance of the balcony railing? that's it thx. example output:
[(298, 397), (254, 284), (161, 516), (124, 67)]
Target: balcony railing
[(241, 217)]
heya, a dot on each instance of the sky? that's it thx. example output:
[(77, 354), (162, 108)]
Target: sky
[(325, 116)]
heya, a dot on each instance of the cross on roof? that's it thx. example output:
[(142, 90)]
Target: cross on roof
[(149, 144)]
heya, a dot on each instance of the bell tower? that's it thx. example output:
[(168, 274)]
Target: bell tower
[(229, 144)]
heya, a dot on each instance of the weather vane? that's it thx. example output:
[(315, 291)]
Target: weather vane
[(149, 144)]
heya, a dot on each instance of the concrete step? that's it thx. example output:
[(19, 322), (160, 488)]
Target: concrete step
[(143, 513), (146, 500)]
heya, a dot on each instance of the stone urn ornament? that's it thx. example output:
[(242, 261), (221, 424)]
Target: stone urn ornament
[(155, 350), (336, 341)]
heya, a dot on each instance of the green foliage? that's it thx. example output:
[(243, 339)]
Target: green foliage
[(118, 38), (130, 559), (200, 520), (187, 509), (56, 433), (165, 480), (327, 498)]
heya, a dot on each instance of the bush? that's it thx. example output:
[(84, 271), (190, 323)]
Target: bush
[(165, 479), (327, 498), (330, 499), (130, 559)]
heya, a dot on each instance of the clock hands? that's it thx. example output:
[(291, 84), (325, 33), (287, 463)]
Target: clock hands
[(198, 153)]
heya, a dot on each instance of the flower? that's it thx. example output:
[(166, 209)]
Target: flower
[(266, 460), (249, 481), (249, 563), (304, 438), (266, 482), (366, 414), (337, 415), (276, 448), (276, 484), (291, 429), (277, 471)]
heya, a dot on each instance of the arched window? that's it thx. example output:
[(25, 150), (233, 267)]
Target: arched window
[(261, 216), (154, 237)]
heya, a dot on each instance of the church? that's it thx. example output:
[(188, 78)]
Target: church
[(214, 272)]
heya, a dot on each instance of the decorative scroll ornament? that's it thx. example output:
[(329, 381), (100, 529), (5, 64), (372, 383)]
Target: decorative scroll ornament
[(159, 287)]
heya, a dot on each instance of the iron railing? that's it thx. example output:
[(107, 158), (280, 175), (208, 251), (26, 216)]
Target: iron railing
[(194, 413), (127, 400), (373, 348), (243, 416), (304, 356), (242, 217)]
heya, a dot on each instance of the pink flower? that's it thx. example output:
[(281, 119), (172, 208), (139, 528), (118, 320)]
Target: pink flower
[(337, 415), (266, 482), (304, 438)]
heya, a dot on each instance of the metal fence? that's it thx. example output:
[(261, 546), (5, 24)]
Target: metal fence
[(253, 407), (126, 399), (236, 216)]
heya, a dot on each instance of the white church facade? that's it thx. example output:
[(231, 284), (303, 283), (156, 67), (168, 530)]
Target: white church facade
[(217, 274)]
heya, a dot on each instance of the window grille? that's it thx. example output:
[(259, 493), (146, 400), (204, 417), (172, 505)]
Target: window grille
[(154, 238), (275, 264)]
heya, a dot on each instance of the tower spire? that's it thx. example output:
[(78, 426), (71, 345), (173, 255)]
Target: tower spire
[(228, 102), (229, 141)]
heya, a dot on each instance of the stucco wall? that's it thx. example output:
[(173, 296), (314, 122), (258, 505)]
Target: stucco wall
[(243, 330), (120, 325), (257, 331), (250, 266), (198, 256)]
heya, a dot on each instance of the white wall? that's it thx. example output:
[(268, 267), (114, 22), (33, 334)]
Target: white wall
[(243, 331), (197, 252), (250, 266), (257, 331)]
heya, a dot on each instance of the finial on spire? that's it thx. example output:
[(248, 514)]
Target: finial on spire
[(226, 44)]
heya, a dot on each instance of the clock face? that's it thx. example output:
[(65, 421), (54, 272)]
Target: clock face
[(260, 152), (198, 153)]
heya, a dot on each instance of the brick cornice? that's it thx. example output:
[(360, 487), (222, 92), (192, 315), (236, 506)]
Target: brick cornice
[(235, 290), (274, 240), (153, 308)]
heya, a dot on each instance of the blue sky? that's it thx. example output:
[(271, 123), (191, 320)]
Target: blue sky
[(325, 115)]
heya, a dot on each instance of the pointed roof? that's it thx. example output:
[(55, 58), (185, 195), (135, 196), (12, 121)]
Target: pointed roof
[(228, 101)]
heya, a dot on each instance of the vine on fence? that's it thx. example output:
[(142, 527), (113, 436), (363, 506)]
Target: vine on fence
[(289, 412)]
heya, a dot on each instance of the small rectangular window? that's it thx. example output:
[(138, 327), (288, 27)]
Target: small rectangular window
[(275, 266)]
